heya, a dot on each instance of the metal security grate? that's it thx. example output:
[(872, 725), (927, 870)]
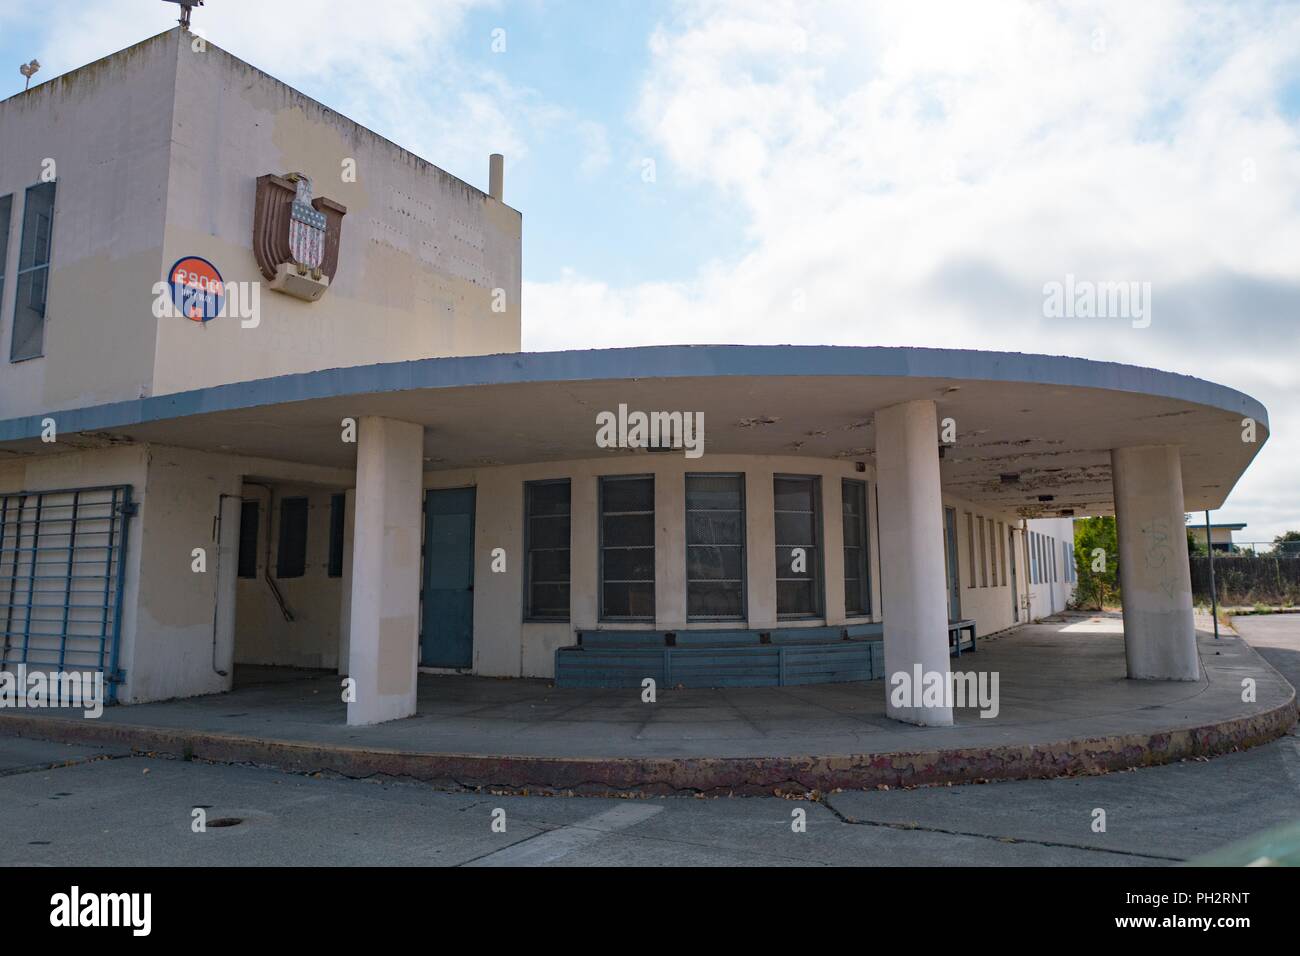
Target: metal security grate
[(62, 560)]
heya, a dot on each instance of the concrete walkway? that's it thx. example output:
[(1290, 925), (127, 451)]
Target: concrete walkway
[(1065, 707)]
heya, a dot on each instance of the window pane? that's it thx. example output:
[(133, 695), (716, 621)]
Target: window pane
[(6, 214), (795, 529), (338, 512), (627, 548), (627, 494), (248, 515), (629, 564), (551, 531), (546, 518), (714, 564), (716, 599), (629, 531), (33, 273), (636, 601), (715, 527), (291, 556), (549, 567), (793, 598)]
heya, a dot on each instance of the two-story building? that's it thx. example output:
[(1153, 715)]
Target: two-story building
[(262, 401)]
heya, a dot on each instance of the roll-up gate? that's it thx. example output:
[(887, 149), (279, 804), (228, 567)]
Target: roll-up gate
[(62, 563)]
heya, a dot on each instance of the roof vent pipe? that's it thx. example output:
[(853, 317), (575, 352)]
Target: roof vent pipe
[(496, 175)]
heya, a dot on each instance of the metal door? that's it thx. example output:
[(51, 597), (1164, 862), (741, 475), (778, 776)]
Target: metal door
[(447, 634)]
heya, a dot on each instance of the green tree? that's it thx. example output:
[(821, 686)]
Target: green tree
[(1287, 544), (1096, 554)]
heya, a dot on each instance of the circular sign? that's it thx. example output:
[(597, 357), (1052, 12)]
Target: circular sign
[(198, 291)]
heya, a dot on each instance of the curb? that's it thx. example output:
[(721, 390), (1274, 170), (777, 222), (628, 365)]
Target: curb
[(713, 776)]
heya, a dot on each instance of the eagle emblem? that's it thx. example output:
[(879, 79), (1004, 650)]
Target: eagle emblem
[(296, 236)]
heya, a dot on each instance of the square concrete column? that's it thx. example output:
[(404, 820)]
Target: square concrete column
[(1154, 574), (915, 595), (383, 638)]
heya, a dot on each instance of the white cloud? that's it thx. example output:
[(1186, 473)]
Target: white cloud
[(919, 171)]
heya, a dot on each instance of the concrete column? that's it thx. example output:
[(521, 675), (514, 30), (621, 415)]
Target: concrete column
[(385, 625), (345, 602), (670, 547), (760, 546), (1155, 579), (911, 560)]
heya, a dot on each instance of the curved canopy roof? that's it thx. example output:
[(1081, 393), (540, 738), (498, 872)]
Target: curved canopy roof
[(1050, 420)]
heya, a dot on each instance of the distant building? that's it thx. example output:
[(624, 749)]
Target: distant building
[(262, 402), (1220, 534)]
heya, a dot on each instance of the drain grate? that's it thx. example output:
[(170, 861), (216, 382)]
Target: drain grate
[(225, 822)]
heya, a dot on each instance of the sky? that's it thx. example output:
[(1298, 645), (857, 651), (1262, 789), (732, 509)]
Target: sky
[(847, 173)]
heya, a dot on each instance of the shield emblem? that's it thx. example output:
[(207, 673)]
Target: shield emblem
[(306, 228)]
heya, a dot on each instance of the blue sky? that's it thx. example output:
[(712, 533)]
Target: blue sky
[(840, 171)]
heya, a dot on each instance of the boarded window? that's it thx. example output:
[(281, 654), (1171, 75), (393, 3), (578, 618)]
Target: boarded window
[(857, 580), (248, 515), (338, 517), (627, 548), (33, 275), (291, 556), (547, 527), (715, 547), (797, 513)]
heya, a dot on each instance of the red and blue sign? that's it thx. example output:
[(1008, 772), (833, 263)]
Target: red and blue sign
[(198, 291)]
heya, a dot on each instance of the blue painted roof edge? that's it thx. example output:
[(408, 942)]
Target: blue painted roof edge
[(646, 362)]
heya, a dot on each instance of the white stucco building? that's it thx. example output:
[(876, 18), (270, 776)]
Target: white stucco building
[(364, 473)]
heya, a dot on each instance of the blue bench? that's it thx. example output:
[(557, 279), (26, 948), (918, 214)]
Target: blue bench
[(955, 631)]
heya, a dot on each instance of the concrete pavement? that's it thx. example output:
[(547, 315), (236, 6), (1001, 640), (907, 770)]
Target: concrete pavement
[(1064, 707)]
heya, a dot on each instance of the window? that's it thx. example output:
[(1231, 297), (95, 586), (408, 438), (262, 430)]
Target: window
[(1056, 577), (984, 564), (1033, 557), (857, 577), (6, 213), (1002, 551), (715, 547), (248, 515), (797, 519), (291, 556), (627, 548), (338, 515), (993, 553), (546, 545), (33, 273), (970, 546)]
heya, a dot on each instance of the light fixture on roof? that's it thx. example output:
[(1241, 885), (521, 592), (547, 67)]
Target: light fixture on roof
[(29, 70), (186, 6)]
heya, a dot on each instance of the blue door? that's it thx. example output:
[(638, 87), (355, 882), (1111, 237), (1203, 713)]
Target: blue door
[(447, 635)]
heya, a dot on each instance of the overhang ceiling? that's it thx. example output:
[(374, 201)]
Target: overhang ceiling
[(1048, 420)]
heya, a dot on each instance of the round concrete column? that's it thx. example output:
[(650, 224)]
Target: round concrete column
[(1159, 635), (911, 560), (384, 629)]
